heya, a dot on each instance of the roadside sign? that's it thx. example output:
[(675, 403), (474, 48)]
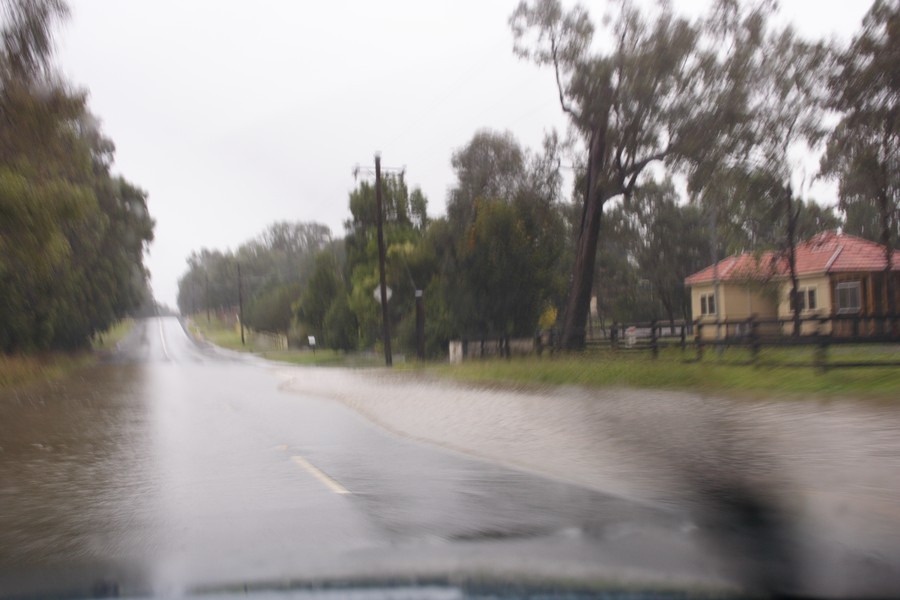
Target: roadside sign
[(630, 337), (377, 294)]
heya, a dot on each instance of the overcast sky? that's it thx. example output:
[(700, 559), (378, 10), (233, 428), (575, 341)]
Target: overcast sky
[(233, 115)]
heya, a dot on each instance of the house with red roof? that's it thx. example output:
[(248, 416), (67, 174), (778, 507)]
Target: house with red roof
[(839, 275)]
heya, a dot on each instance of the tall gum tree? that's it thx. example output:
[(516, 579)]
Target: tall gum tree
[(863, 151), (786, 105), (666, 90)]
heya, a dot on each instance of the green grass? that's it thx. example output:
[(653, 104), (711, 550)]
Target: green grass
[(324, 358), (221, 333), (107, 340), (25, 369), (21, 370), (714, 374)]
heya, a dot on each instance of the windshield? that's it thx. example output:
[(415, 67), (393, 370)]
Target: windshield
[(448, 300)]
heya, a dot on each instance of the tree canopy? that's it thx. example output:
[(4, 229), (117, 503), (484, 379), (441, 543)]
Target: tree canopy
[(72, 234)]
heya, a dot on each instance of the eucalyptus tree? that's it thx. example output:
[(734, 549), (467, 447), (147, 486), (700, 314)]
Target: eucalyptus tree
[(863, 151), (654, 89), (789, 109), (72, 236), (504, 236), (669, 243)]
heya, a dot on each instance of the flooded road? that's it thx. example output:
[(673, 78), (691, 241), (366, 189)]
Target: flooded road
[(176, 467)]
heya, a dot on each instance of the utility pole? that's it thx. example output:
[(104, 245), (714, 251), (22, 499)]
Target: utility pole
[(240, 303), (714, 255), (385, 313), (420, 324)]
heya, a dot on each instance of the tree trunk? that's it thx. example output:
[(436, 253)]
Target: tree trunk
[(792, 217), (578, 303), (579, 300), (885, 210), (670, 312)]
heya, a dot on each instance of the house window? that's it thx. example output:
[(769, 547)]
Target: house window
[(806, 298), (848, 297), (708, 304)]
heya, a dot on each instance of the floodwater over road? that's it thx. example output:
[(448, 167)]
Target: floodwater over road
[(175, 466)]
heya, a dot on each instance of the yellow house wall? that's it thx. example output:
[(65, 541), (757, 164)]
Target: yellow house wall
[(822, 283), (696, 292), (736, 303)]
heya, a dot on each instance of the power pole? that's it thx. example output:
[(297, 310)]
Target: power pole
[(385, 313), (240, 303), (420, 324)]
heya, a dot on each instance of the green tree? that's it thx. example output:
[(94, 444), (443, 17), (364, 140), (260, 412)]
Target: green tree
[(324, 288), (789, 112), (491, 165), (863, 151), (271, 310), (282, 256), (499, 250), (670, 244), (341, 330), (72, 236), (657, 94), (405, 222)]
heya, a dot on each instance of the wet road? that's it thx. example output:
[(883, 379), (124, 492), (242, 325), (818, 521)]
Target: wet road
[(175, 467)]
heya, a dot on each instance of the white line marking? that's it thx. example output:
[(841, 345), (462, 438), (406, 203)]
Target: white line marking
[(163, 338), (330, 483)]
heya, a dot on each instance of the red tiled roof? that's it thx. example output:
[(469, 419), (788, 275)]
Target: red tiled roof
[(827, 252)]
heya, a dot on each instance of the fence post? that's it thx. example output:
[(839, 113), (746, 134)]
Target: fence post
[(822, 348), (614, 336), (654, 345), (539, 342), (698, 339), (855, 325), (683, 336), (754, 339)]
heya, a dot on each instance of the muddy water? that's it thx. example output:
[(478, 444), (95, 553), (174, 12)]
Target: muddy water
[(824, 474), (77, 459), (173, 466)]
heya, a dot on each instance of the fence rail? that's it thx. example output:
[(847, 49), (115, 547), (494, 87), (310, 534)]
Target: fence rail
[(694, 338), (755, 334)]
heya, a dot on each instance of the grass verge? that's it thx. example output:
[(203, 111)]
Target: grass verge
[(714, 374), (25, 369), (220, 333), (107, 340), (228, 336), (20, 370), (324, 358)]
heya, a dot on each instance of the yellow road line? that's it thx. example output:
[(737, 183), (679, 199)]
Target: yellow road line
[(327, 481)]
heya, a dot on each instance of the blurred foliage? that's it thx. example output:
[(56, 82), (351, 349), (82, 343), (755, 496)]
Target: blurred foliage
[(274, 269), (72, 235), (863, 150)]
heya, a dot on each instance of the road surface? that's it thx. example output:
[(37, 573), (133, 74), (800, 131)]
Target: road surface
[(175, 467)]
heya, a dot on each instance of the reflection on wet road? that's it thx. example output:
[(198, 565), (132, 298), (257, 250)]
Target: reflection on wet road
[(175, 466)]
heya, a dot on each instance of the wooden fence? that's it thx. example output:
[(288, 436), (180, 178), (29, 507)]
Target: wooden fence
[(754, 334)]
